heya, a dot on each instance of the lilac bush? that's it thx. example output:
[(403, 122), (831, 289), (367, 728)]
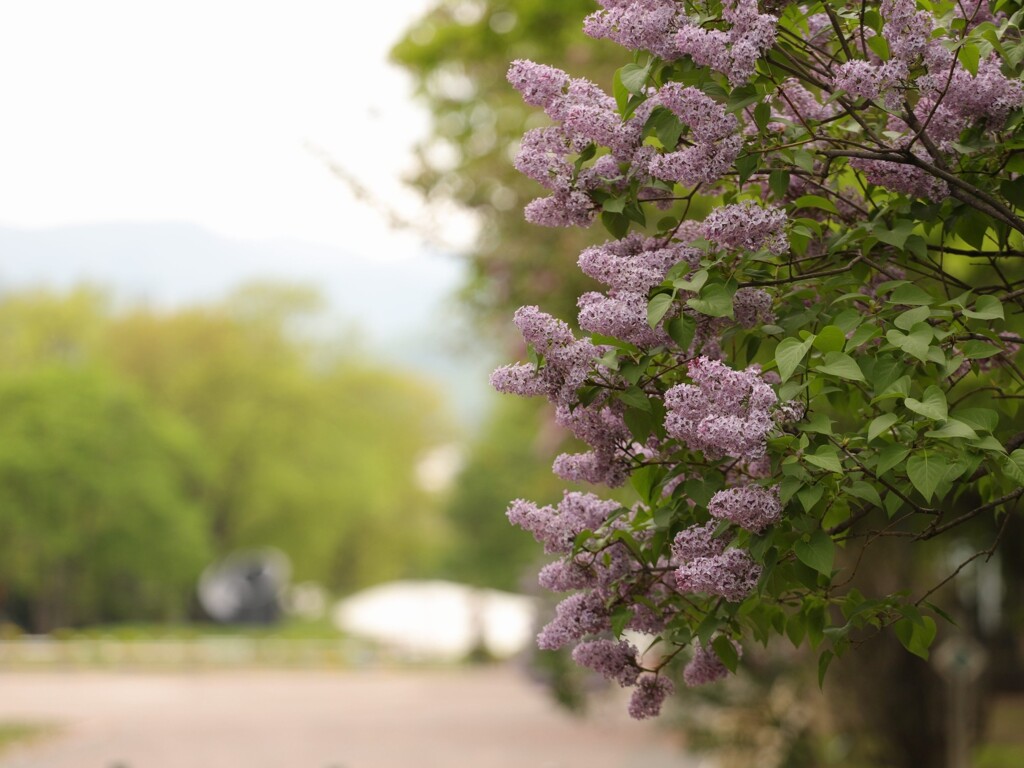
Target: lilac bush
[(807, 338)]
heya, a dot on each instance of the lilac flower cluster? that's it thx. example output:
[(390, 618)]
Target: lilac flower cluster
[(577, 616), (902, 177), (747, 226), (557, 528), (605, 431), (705, 666), (714, 132), (566, 360), (613, 660), (732, 575), (751, 306), (635, 263), (733, 52), (751, 506), (950, 98), (648, 696), (648, 25), (723, 413)]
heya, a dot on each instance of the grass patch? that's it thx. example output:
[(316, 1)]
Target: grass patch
[(999, 756), (16, 733)]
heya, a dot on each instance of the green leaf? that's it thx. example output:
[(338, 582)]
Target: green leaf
[(926, 469), (912, 317), (826, 457), (742, 97), (866, 491), (778, 182), (726, 651), (896, 236), (815, 201), (823, 661), (657, 308), (953, 428), (916, 343), (889, 457), (819, 553), (1013, 465), (830, 339), (746, 165), (841, 366), (762, 115), (635, 397), (692, 282), (616, 224), (810, 495), (634, 77), (916, 634), (715, 300), (789, 354), (933, 406), (682, 330), (644, 480), (666, 126), (620, 618), (969, 56), (986, 308), (911, 295), (982, 419), (979, 350), (881, 424), (880, 46)]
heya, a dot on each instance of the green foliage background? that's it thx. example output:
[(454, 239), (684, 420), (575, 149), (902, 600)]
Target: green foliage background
[(136, 446)]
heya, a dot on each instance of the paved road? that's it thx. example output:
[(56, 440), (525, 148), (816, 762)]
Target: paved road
[(473, 718)]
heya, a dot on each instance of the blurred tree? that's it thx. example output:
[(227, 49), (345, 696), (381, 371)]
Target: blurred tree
[(484, 549), (297, 442), (98, 492), (310, 451)]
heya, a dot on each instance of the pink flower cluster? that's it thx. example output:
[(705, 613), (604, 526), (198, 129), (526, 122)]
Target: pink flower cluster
[(714, 132), (732, 575), (648, 696), (705, 666), (747, 226), (751, 506), (735, 51), (566, 361), (648, 25), (613, 660), (723, 413), (557, 528), (605, 431), (635, 263), (949, 98), (585, 115)]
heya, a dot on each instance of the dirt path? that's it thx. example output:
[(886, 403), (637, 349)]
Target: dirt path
[(477, 718)]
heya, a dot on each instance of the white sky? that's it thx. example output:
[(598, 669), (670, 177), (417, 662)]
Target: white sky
[(202, 111)]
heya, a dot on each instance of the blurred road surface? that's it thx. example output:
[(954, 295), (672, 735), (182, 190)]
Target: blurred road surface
[(487, 717)]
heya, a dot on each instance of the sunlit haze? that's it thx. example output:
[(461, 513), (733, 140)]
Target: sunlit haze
[(218, 116)]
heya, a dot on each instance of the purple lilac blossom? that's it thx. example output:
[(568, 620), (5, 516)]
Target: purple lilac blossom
[(557, 529), (646, 25), (695, 542), (723, 413), (751, 507), (705, 666), (747, 226), (648, 696), (613, 660), (576, 616), (752, 306), (732, 575)]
